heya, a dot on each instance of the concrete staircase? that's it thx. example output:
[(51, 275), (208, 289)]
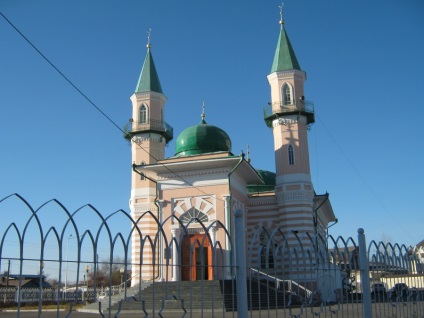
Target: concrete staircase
[(174, 297), (187, 296), (103, 303)]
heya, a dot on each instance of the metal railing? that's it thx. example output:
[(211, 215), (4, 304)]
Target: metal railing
[(299, 106), (151, 125), (286, 284), (116, 289)]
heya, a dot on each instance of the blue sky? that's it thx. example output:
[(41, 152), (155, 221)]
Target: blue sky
[(364, 66)]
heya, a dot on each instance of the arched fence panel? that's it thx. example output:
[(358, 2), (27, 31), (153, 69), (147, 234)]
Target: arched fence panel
[(303, 274), (193, 267)]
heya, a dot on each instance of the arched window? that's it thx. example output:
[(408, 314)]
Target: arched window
[(265, 256), (291, 155), (143, 114), (287, 94), (194, 213), (264, 239)]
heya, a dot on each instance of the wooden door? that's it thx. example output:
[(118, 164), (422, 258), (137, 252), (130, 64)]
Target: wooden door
[(200, 267)]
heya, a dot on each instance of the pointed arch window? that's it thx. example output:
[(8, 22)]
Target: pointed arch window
[(267, 255), (194, 213), (287, 94), (264, 254), (143, 114), (291, 154)]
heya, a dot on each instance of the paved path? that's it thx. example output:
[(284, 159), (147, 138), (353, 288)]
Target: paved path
[(75, 314), (346, 310)]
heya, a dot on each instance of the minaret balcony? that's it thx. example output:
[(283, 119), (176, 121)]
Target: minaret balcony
[(284, 108), (154, 126)]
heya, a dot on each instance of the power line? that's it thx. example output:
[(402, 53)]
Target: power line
[(93, 104), (370, 189), (57, 70)]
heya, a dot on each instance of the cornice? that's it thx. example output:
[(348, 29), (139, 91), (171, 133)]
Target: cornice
[(138, 139), (284, 75), (197, 173), (185, 185), (143, 208), (294, 198), (255, 201), (149, 95), (284, 121)]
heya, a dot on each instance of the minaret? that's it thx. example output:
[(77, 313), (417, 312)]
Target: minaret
[(289, 115), (149, 135)]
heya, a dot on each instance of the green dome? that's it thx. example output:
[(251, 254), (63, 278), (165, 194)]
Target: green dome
[(269, 179), (267, 176), (200, 139)]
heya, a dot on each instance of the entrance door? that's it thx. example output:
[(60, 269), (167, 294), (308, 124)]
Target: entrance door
[(200, 267), (201, 254)]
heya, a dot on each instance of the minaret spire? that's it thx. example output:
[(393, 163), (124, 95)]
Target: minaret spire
[(148, 39), (149, 79), (203, 115), (281, 15), (284, 58)]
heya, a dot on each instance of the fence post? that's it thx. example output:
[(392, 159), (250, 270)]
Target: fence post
[(241, 277), (365, 276)]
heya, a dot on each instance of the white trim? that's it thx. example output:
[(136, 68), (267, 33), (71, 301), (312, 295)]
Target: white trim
[(294, 178)]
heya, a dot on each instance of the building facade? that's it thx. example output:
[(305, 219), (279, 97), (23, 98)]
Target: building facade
[(175, 201)]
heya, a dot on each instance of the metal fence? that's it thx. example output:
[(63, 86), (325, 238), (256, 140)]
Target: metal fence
[(9, 295), (268, 274)]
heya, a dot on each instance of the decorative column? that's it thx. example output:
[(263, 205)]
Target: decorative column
[(176, 232), (212, 234), (227, 216), (161, 249)]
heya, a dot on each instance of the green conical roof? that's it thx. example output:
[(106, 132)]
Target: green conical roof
[(149, 79), (284, 58), (200, 139)]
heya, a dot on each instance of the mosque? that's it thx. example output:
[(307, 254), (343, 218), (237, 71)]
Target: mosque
[(203, 183)]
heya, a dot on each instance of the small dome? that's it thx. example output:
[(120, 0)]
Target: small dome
[(200, 139), (267, 176), (269, 179)]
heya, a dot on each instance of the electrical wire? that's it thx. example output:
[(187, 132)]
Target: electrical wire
[(166, 167), (370, 189), (93, 104)]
